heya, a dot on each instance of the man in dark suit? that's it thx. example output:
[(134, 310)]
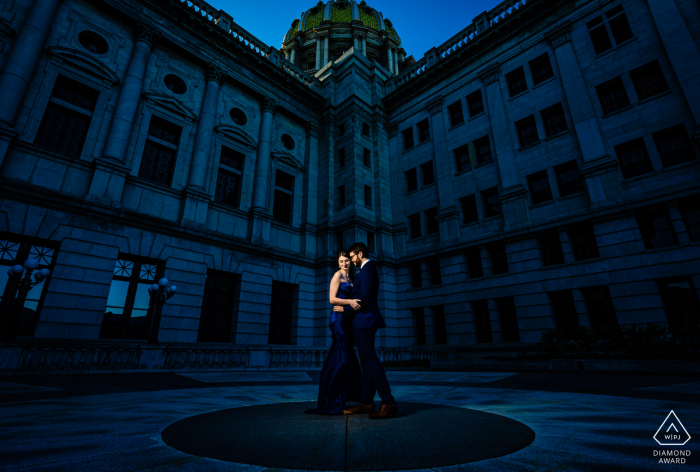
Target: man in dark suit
[(367, 320)]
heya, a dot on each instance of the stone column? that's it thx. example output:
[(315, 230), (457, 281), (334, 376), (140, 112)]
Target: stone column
[(389, 57), (396, 192), (354, 43), (196, 198), (294, 55), (364, 44), (598, 168), (682, 51), (513, 195), (448, 213), (260, 226), (326, 59), (396, 62), (309, 212), (110, 172), (486, 266), (318, 51), (20, 65)]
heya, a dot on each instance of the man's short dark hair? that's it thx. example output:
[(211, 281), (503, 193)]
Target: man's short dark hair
[(359, 247)]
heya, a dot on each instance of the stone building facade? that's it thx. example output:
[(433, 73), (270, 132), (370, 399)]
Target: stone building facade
[(537, 170)]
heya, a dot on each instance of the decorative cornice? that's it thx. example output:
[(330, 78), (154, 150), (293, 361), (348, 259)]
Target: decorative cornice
[(313, 130), (489, 75), (269, 105), (236, 134), (215, 74), (561, 35), (146, 34), (287, 158), (84, 62), (435, 106), (170, 103)]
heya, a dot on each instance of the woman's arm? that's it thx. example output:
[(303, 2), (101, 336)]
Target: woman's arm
[(335, 284)]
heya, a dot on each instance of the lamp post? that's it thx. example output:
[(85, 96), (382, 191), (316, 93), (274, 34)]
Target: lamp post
[(18, 292), (159, 293)]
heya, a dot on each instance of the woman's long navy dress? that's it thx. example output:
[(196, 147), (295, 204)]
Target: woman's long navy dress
[(341, 375)]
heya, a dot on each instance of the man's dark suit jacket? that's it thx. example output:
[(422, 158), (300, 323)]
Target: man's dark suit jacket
[(366, 289)]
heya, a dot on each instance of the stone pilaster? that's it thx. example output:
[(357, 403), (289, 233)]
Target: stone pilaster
[(318, 51), (260, 224), (566, 247), (309, 215)]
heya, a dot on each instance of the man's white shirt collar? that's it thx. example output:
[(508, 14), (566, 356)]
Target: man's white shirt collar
[(365, 262)]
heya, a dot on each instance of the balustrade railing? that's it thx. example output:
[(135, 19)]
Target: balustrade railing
[(66, 358), (203, 358)]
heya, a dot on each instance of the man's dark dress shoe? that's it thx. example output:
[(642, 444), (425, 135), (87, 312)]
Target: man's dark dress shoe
[(360, 409), (384, 412)]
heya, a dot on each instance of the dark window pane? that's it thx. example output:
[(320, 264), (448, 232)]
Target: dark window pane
[(341, 196), (62, 130), (367, 158), (680, 302), (527, 131), (499, 260), (633, 158), (539, 187), (620, 28), (434, 267), (469, 210), (462, 158), (483, 323), (690, 209), (552, 252), (612, 95), (75, 93), (157, 163), (407, 138), (516, 81), (365, 130), (554, 121), (163, 130), (416, 275), (492, 203), (656, 228), (483, 150), (232, 159), (341, 129), (509, 319), (284, 180), (419, 324), (428, 173), (474, 262), (216, 320), (281, 310), (456, 115), (431, 220), (368, 196), (599, 37), (371, 242), (424, 130), (564, 309), (476, 103), (541, 69), (583, 242), (341, 157), (674, 146), (227, 188), (648, 80), (568, 178), (601, 311), (414, 223), (282, 209), (440, 327), (411, 180)]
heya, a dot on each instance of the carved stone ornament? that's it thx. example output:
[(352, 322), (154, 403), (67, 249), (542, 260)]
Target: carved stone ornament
[(490, 75), (269, 105), (435, 106), (313, 130), (145, 34), (559, 36), (215, 74)]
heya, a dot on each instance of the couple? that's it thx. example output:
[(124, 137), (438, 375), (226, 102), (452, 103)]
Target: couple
[(354, 321)]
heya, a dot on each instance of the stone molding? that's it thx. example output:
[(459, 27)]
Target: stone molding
[(559, 36), (269, 105), (447, 213), (146, 34), (171, 103), (236, 134), (598, 165), (215, 74), (490, 75), (435, 106), (512, 193), (393, 129), (85, 62), (313, 130)]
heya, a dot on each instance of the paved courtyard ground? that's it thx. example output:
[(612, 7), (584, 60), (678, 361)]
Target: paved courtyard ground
[(115, 422)]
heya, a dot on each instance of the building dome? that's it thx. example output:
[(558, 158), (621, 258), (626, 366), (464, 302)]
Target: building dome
[(338, 25)]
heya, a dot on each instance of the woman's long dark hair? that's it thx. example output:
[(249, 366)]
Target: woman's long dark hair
[(351, 272)]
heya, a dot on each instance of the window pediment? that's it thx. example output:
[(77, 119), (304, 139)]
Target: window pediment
[(84, 62), (237, 135), (288, 159), (171, 104)]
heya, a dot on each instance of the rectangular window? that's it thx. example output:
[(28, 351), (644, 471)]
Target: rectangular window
[(612, 95), (217, 320), (483, 322), (541, 69), (428, 173), (633, 158), (281, 313), (160, 151), (424, 130), (476, 103), (601, 311), (476, 270), (367, 157), (407, 138), (432, 221), (539, 187), (284, 191), (680, 302), (371, 242), (14, 250), (439, 321), (550, 245), (228, 180), (341, 129), (554, 120), (411, 180), (456, 115), (416, 275), (509, 319), (568, 178), (492, 203), (341, 196), (67, 117), (462, 158), (599, 35), (648, 80), (527, 131), (483, 150), (564, 309), (583, 242), (435, 274), (414, 224), (656, 228), (469, 211), (690, 209), (674, 146), (516, 81), (616, 21), (127, 314), (365, 130), (341, 157), (499, 261), (619, 25), (419, 324), (368, 196)]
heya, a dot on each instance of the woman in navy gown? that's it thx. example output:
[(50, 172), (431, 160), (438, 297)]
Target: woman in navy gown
[(341, 376)]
